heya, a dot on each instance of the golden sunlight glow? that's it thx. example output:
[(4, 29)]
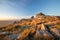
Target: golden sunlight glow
[(9, 18), (12, 17)]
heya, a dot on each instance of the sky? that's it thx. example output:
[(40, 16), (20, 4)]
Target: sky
[(16, 9)]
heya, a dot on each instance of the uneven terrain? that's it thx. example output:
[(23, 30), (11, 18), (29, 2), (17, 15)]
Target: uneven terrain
[(38, 27)]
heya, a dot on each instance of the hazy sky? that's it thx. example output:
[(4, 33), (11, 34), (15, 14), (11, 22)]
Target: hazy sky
[(24, 8)]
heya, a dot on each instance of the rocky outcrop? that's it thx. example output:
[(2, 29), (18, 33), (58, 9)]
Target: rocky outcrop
[(39, 27)]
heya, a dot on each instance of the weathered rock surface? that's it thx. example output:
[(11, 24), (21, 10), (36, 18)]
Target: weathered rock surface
[(40, 27)]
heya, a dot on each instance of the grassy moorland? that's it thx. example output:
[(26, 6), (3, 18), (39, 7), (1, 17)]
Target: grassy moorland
[(40, 27)]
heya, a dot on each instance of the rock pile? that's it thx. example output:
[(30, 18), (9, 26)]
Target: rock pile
[(40, 27)]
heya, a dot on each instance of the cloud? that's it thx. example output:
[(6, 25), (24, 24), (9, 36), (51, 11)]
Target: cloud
[(8, 8), (9, 5), (13, 17), (14, 3)]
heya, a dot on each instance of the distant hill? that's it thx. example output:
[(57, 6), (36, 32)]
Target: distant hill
[(6, 22)]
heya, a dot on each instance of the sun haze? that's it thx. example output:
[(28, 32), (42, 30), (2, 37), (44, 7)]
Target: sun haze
[(17, 8)]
